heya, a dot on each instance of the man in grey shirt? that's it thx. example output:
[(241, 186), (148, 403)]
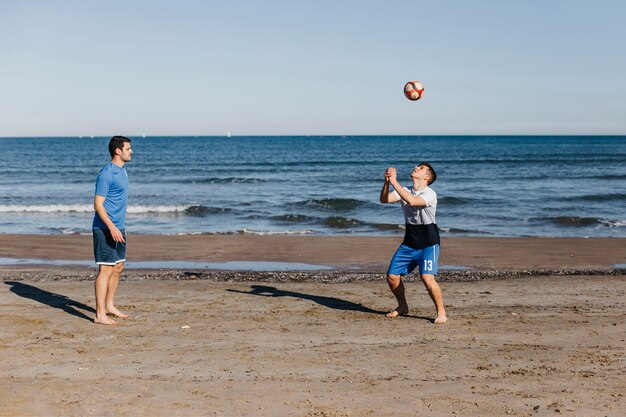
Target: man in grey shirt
[(420, 247)]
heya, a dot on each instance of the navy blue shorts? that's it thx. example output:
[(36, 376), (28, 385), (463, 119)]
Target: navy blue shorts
[(406, 259), (106, 250)]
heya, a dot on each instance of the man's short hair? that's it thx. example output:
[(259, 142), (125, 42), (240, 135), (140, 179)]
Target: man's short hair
[(117, 142), (433, 174)]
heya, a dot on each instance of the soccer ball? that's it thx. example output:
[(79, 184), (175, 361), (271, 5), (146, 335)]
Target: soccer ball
[(413, 90)]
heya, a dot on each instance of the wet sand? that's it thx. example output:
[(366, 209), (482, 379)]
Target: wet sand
[(532, 345), (367, 253)]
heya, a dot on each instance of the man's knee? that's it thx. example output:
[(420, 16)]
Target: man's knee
[(393, 278), (428, 280), (106, 270)]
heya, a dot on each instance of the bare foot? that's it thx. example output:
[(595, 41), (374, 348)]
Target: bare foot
[(104, 320), (398, 312), (116, 312), (441, 319)]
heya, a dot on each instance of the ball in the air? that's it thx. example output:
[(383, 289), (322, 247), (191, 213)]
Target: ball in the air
[(413, 90)]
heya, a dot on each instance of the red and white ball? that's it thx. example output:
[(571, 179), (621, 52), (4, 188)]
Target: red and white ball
[(413, 90)]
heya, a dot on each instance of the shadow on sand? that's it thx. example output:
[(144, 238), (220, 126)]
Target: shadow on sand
[(330, 302), (50, 299)]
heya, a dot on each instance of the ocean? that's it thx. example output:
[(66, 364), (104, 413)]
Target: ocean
[(552, 186)]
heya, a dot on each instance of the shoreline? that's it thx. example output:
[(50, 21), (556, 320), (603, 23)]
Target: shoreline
[(352, 258), (341, 252), (323, 277)]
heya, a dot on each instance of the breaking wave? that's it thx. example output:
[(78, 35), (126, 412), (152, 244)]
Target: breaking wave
[(334, 204), (274, 232), (218, 180), (576, 221), (193, 210), (294, 218), (338, 222)]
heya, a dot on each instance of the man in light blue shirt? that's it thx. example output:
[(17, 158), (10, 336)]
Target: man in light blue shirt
[(109, 230)]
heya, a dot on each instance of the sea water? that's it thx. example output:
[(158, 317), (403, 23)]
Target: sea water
[(330, 185)]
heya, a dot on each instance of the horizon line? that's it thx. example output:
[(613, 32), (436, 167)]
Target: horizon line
[(231, 136)]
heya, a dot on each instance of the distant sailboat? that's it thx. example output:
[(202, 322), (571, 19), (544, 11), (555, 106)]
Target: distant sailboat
[(227, 134)]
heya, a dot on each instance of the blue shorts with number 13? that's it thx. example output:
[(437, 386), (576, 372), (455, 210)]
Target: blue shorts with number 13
[(406, 259)]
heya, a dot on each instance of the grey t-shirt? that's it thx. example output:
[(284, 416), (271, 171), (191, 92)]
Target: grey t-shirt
[(420, 215), (421, 228)]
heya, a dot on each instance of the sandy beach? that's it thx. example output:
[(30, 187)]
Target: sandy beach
[(531, 344)]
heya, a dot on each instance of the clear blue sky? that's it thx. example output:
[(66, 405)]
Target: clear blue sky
[(311, 67)]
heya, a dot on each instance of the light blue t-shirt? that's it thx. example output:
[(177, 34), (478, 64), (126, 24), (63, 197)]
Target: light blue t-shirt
[(112, 183)]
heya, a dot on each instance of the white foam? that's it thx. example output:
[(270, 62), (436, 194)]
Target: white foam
[(613, 223), (86, 208), (156, 209), (48, 208), (268, 232)]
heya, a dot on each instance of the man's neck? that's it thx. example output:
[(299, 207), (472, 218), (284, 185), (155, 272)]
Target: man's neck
[(419, 185), (118, 162)]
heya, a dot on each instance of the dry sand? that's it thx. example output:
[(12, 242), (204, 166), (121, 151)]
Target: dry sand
[(538, 345)]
